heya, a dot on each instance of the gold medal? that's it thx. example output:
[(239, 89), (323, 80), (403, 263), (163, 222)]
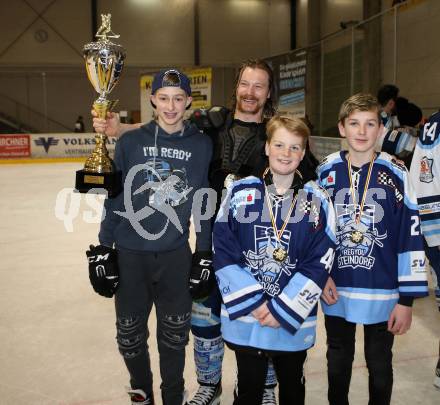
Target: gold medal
[(357, 237), (279, 254)]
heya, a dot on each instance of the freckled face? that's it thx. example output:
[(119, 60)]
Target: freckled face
[(285, 151)]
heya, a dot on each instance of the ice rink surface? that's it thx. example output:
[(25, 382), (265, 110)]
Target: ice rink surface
[(57, 337)]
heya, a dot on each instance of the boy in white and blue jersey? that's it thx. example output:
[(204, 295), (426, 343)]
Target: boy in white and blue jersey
[(273, 248), (379, 264), (425, 177)]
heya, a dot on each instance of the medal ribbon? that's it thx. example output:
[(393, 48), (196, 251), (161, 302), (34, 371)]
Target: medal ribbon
[(272, 217), (352, 191)]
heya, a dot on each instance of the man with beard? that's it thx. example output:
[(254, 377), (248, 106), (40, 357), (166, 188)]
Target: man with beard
[(238, 137)]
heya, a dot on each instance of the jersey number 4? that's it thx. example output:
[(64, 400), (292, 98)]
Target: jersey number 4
[(327, 259)]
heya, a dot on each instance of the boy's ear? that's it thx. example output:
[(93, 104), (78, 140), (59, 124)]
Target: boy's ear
[(341, 129), (266, 149), (189, 100)]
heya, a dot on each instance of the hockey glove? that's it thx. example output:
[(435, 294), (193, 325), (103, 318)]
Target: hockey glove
[(202, 278), (103, 270)]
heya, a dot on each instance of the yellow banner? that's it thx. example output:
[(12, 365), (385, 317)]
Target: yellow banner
[(201, 85)]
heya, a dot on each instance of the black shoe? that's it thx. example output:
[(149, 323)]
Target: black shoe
[(207, 395), (138, 397)]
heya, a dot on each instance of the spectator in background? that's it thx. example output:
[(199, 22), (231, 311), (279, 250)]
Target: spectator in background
[(393, 139), (409, 117), (79, 124), (387, 96), (123, 116)]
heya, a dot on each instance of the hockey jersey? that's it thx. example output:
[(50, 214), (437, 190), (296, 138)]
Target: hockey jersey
[(425, 178), (394, 139), (248, 275), (389, 260)]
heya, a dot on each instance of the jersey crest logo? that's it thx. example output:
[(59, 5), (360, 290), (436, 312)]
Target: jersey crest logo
[(426, 175), (263, 266), (356, 254)]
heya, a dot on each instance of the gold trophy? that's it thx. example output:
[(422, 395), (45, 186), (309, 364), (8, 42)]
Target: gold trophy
[(104, 62)]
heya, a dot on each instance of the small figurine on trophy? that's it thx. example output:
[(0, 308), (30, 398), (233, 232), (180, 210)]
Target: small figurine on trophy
[(104, 62)]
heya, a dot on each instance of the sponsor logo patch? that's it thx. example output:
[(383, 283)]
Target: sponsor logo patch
[(241, 198)]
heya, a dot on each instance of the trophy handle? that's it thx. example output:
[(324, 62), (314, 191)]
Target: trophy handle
[(102, 106)]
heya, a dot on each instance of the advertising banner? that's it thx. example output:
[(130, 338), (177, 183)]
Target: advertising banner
[(146, 107), (14, 145), (290, 80), (66, 145), (201, 86)]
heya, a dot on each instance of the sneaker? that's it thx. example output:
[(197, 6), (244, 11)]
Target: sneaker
[(269, 396), (207, 395), (437, 375), (138, 397)]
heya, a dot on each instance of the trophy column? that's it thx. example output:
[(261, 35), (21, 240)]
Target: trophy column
[(104, 62)]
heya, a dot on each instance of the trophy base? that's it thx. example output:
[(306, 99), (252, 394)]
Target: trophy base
[(112, 182)]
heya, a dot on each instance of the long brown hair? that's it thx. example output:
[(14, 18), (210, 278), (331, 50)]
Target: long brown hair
[(270, 104)]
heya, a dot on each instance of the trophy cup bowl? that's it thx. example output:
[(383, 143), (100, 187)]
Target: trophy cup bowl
[(104, 62)]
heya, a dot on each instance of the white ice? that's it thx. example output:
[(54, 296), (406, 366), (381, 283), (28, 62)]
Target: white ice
[(57, 337)]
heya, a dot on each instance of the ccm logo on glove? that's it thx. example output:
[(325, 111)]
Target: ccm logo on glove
[(103, 270), (201, 280)]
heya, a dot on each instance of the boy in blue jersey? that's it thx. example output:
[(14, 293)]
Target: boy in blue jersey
[(273, 247), (379, 264)]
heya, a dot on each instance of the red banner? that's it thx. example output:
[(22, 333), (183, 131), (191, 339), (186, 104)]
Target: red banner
[(12, 146)]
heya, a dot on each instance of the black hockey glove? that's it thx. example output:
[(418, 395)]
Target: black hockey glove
[(103, 270), (202, 278)]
